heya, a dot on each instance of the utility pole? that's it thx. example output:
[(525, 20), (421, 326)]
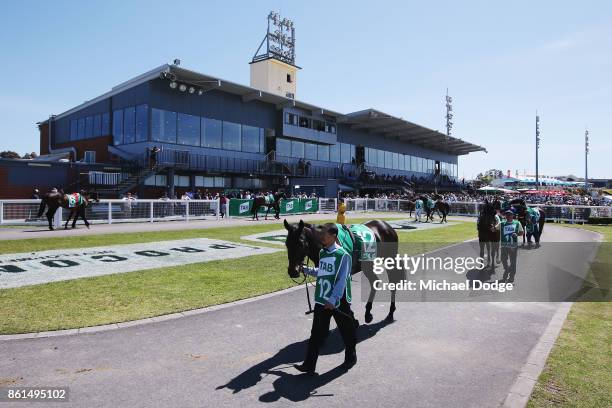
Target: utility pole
[(537, 132), (449, 126), (586, 160)]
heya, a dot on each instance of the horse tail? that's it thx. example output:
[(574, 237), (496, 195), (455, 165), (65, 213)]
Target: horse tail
[(41, 208)]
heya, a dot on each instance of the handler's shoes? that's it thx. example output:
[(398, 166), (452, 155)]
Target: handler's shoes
[(304, 369)]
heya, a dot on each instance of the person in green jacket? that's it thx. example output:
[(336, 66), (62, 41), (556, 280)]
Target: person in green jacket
[(510, 230)]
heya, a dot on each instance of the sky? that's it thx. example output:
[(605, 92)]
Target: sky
[(500, 63)]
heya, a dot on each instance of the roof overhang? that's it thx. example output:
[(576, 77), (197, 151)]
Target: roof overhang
[(391, 127)]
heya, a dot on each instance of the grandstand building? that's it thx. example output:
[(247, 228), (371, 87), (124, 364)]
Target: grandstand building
[(219, 135)]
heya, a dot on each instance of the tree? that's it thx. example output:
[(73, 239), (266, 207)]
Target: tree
[(9, 154)]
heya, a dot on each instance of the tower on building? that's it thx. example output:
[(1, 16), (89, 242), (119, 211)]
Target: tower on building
[(273, 66)]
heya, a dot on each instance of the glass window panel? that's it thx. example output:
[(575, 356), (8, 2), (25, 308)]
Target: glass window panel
[(219, 182), (283, 147), (262, 140), (310, 151), (118, 127), (231, 136), (401, 162), (388, 160), (81, 129), (297, 149), (334, 153), (212, 135), (129, 125), (323, 153), (345, 152), (381, 158), (89, 127), (188, 129), (97, 126), (395, 164), (74, 129), (163, 126), (142, 123), (250, 139), (105, 124)]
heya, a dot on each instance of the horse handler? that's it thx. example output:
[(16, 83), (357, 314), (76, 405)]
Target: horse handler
[(332, 298)]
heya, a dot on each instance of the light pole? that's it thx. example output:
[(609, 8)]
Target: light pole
[(586, 160), (537, 133), (449, 126)]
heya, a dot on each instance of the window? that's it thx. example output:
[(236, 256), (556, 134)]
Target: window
[(212, 133), (401, 162), (381, 158), (118, 127), (163, 126), (201, 181), (129, 125), (388, 160), (297, 149), (291, 119), (89, 127), (283, 147), (188, 130), (323, 153), (250, 139), (319, 125), (334, 153), (97, 126), (81, 129), (105, 124), (304, 122), (310, 151), (395, 163), (156, 180), (262, 140), (181, 181), (289, 78), (347, 152), (142, 123), (90, 156), (407, 162), (74, 129), (231, 136)]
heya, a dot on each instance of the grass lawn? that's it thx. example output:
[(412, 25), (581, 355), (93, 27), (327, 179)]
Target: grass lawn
[(577, 372), (153, 292)]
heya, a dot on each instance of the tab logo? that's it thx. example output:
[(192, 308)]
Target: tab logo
[(289, 206), (308, 205), (244, 207)]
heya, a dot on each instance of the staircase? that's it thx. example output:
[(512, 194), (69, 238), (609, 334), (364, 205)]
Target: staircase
[(132, 181)]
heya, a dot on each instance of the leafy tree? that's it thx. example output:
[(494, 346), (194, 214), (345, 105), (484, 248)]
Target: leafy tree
[(9, 154)]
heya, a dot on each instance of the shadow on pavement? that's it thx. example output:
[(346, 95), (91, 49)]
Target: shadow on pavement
[(297, 387)]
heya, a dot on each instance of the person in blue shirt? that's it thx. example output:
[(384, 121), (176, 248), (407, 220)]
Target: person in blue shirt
[(332, 298)]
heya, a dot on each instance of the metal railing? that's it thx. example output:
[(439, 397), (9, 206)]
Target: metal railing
[(557, 213), (24, 212)]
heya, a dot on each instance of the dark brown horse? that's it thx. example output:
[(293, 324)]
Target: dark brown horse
[(488, 236), (259, 202), (303, 240), (56, 200), (523, 217)]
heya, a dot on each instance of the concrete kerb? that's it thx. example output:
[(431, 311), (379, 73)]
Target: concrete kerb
[(528, 377)]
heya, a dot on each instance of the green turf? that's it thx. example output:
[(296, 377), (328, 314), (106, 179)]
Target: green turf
[(577, 372), (135, 295)]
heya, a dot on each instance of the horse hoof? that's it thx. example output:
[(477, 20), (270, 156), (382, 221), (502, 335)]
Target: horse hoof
[(356, 324), (369, 317), (390, 318)]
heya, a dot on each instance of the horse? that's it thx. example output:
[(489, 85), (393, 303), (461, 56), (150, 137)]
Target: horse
[(56, 200), (526, 221), (303, 240), (488, 236), (442, 208), (261, 201)]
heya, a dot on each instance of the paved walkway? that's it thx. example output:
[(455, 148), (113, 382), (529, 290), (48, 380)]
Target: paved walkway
[(42, 232), (434, 355)]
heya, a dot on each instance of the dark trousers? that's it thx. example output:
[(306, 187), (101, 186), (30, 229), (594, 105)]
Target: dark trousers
[(320, 331), (535, 233), (508, 258)]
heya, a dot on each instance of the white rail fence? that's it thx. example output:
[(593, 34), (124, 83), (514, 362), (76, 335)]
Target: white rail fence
[(25, 212), (558, 213)]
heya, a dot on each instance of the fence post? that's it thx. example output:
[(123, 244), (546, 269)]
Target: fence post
[(398, 202), (1, 212), (110, 212), (335, 205), (151, 217), (218, 207), (186, 210), (57, 222)]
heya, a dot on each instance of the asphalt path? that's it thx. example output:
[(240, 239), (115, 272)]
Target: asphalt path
[(462, 354)]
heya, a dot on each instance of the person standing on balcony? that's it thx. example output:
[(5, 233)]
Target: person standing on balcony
[(153, 156)]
